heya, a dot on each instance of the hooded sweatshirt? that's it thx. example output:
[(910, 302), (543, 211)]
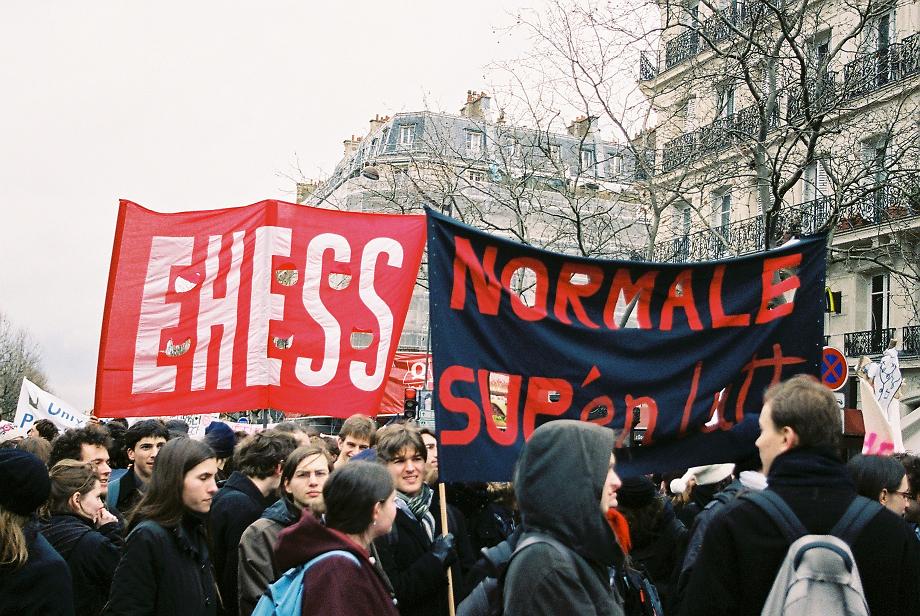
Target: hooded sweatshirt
[(334, 585), (559, 480)]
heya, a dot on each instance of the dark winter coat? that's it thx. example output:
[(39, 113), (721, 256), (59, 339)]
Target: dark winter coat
[(91, 554), (124, 493), (164, 572), (742, 550), (561, 473), (41, 586), (417, 576), (257, 564), (335, 585), (235, 506), (660, 553)]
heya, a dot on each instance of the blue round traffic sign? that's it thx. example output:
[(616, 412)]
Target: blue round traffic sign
[(834, 370)]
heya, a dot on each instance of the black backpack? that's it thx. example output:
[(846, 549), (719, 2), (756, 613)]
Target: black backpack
[(486, 598), (640, 598)]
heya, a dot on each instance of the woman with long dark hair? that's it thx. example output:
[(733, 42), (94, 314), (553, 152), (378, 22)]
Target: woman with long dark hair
[(166, 569), (78, 526), (360, 500)]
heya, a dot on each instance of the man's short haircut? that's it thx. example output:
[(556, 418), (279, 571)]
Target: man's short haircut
[(260, 455), (149, 428), (350, 494), (911, 465), (809, 408), (46, 429), (872, 474), (360, 427), (68, 445), (397, 438)]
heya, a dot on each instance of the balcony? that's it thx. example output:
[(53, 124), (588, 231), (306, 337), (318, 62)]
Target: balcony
[(884, 205), (746, 236), (648, 69), (910, 340), (715, 137), (719, 27), (875, 70), (871, 342), (823, 95)]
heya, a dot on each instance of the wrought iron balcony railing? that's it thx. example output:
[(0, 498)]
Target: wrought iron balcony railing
[(719, 27), (886, 204), (716, 136), (876, 69), (871, 342), (647, 68), (823, 95), (910, 340)]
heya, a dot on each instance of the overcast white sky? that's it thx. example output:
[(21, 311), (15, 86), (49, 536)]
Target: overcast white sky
[(192, 105)]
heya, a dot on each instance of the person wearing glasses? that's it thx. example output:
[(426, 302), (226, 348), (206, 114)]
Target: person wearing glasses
[(881, 478)]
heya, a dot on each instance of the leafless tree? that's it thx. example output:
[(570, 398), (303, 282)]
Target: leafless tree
[(20, 357)]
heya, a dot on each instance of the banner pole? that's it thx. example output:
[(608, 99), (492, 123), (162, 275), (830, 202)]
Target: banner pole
[(442, 494)]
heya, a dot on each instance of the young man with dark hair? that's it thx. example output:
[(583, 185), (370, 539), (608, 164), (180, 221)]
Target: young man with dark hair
[(248, 491), (356, 435), (416, 554), (87, 444), (800, 427), (302, 479), (911, 465), (44, 428), (431, 459), (142, 443)]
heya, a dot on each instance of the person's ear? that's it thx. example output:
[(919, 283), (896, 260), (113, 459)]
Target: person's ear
[(790, 438), (74, 501), (130, 453), (883, 497), (378, 506)]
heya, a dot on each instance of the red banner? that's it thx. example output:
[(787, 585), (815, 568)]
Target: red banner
[(409, 370), (272, 305)]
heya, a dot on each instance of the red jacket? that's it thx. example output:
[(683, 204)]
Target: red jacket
[(335, 586)]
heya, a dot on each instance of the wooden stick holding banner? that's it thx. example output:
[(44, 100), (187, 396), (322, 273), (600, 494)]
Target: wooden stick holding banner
[(442, 493)]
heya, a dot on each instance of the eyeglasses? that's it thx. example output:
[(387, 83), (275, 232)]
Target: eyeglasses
[(906, 495)]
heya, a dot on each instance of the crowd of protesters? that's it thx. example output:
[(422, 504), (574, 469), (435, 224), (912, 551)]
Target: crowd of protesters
[(118, 520)]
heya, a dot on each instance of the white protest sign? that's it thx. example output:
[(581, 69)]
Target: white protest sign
[(35, 403)]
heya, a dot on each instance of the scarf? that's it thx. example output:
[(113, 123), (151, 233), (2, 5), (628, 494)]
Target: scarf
[(419, 505)]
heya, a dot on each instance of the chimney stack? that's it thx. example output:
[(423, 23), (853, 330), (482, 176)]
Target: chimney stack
[(351, 145), (377, 121), (478, 106), (582, 126)]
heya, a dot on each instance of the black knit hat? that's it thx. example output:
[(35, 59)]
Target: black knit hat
[(221, 438), (636, 492), (24, 482)]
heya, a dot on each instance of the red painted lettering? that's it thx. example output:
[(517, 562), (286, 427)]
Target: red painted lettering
[(463, 406), (485, 284), (771, 291), (680, 295)]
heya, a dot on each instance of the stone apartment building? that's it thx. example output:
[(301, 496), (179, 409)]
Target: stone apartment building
[(533, 186), (782, 119)]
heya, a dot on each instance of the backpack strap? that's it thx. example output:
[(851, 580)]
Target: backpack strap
[(533, 538), (776, 508), (855, 518)]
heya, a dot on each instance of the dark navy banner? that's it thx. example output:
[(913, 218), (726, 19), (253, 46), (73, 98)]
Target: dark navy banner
[(522, 336)]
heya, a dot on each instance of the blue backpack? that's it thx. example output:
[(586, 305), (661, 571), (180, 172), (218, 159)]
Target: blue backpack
[(285, 596)]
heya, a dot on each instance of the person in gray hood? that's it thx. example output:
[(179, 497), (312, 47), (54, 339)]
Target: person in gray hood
[(565, 482)]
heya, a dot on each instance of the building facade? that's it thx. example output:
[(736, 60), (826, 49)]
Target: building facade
[(787, 119), (566, 192)]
